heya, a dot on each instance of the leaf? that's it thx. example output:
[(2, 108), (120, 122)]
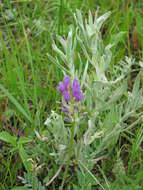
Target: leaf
[(119, 169), (84, 74), (20, 188), (91, 134), (141, 64), (54, 61), (6, 137), (118, 93), (136, 86), (15, 102), (102, 19), (25, 157), (24, 140), (116, 38), (90, 173), (59, 52)]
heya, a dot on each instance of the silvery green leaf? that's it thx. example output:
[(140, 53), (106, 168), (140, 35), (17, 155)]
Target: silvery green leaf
[(129, 60), (39, 26), (78, 17), (56, 126), (118, 92), (90, 18), (53, 154), (108, 53), (69, 47), (136, 86), (80, 24), (83, 48), (116, 38), (84, 74), (59, 52), (102, 19), (56, 62), (10, 14), (47, 121), (63, 42), (119, 169), (63, 69), (141, 63), (91, 134), (62, 147), (81, 65)]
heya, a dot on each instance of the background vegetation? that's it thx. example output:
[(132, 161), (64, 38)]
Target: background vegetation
[(28, 82)]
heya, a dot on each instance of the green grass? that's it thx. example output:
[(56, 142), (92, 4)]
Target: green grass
[(28, 82)]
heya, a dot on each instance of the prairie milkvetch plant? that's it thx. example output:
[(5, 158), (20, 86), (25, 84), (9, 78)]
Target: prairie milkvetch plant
[(85, 63), (71, 106), (72, 95)]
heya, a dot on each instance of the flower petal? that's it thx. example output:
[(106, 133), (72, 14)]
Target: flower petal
[(66, 96), (61, 87), (66, 82)]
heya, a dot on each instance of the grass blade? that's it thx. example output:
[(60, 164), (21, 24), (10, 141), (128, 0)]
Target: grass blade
[(15, 102)]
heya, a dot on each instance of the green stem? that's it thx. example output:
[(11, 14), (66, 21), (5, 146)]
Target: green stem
[(60, 21), (34, 182), (69, 155), (128, 27)]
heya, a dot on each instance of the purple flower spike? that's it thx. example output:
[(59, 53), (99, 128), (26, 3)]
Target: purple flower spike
[(66, 82), (75, 90), (76, 84), (75, 87), (79, 96), (66, 96), (61, 87)]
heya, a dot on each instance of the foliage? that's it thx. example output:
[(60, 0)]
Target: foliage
[(98, 150)]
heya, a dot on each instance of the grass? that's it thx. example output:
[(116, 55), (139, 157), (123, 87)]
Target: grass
[(28, 82)]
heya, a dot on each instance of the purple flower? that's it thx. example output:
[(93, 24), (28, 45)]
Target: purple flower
[(65, 110), (61, 87), (76, 91), (79, 96), (66, 96), (76, 84), (75, 87), (66, 82), (67, 120)]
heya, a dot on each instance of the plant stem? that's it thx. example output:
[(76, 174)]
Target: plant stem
[(34, 182), (128, 28), (60, 22), (69, 155)]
